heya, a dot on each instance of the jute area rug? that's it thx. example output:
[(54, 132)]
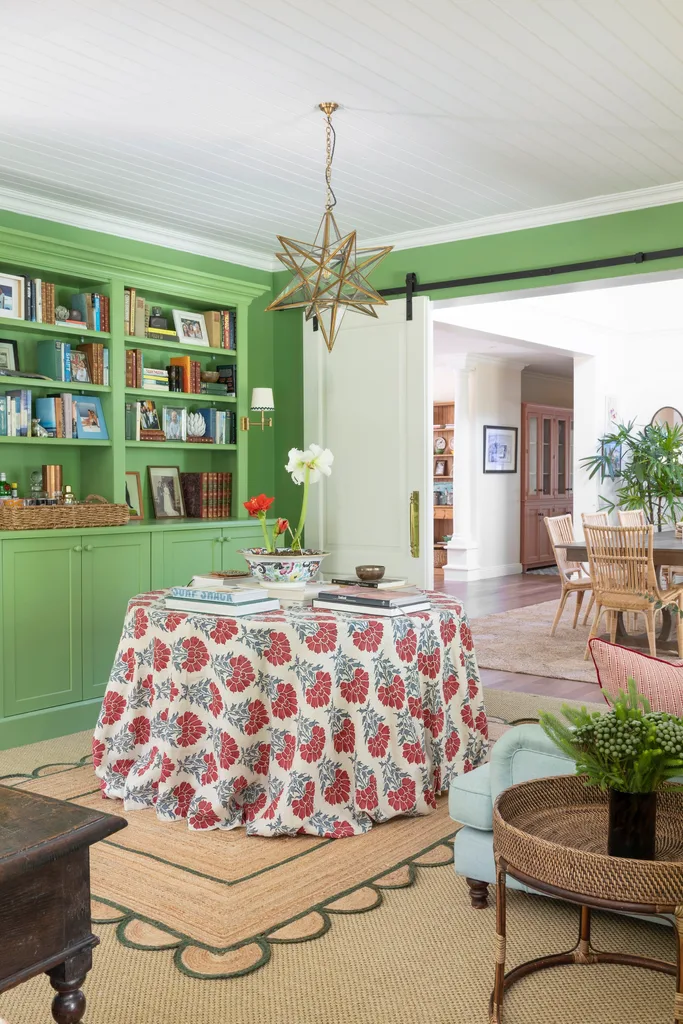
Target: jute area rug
[(417, 952), (520, 641)]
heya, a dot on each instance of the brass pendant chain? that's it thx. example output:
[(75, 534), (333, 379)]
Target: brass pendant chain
[(330, 142)]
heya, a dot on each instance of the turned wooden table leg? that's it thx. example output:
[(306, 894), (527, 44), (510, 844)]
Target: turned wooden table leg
[(479, 893), (68, 1006), (496, 1009)]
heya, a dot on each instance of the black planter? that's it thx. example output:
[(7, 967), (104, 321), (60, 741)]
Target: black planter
[(632, 825)]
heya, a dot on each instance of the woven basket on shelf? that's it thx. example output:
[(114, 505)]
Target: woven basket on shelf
[(94, 511)]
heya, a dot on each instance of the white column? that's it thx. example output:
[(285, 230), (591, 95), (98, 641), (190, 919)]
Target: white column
[(462, 549)]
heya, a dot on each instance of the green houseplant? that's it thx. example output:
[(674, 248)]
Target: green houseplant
[(646, 467), (631, 752)]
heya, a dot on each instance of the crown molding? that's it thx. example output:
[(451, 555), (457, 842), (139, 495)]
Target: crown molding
[(542, 216), (138, 231)]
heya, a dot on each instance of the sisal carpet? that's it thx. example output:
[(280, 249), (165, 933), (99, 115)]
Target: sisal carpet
[(519, 641)]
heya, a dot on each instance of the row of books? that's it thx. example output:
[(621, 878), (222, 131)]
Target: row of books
[(39, 300), (207, 495), (221, 328), (183, 374), (231, 600), (221, 324), (93, 309), (61, 415), (87, 363)]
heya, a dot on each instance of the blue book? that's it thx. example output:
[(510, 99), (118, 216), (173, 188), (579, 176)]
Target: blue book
[(221, 594), (3, 416), (47, 414), (209, 417), (67, 361), (96, 311)]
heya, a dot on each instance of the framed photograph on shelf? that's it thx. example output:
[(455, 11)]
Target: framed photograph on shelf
[(12, 296), (9, 355), (149, 417), (440, 467), (191, 327), (134, 495), (500, 449), (90, 424), (167, 495), (174, 423), (80, 370)]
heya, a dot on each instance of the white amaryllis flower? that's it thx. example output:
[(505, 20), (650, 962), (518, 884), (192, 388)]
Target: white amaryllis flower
[(318, 460)]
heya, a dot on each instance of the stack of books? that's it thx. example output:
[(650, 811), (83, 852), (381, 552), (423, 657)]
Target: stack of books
[(209, 388), (154, 380), (228, 378), (223, 599), (362, 601), (386, 583), (207, 495)]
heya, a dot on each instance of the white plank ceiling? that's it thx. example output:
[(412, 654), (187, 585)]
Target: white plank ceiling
[(199, 116)]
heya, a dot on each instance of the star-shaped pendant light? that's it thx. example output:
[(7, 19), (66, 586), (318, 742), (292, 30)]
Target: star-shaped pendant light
[(330, 273)]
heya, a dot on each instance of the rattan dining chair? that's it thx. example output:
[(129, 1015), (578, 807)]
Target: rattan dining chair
[(624, 579), (573, 576), (632, 517), (592, 519)]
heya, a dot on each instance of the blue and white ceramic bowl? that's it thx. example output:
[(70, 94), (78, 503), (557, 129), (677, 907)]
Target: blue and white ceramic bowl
[(283, 568)]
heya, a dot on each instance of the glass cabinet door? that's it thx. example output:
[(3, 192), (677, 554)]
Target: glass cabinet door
[(546, 455), (562, 450), (532, 460)]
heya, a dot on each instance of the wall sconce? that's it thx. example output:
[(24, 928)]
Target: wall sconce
[(261, 401)]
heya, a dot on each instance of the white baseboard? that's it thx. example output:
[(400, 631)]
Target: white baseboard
[(457, 575)]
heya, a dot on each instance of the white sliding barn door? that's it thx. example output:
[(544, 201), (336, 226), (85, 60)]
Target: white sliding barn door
[(370, 402)]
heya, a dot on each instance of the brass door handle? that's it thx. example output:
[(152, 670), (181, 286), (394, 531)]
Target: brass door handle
[(415, 524)]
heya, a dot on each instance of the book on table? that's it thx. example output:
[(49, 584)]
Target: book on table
[(382, 599), (369, 610), (222, 593), (213, 579), (232, 611), (386, 583)]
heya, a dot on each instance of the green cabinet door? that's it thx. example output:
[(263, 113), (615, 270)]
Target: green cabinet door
[(187, 552), (115, 568), (41, 624), (237, 537)]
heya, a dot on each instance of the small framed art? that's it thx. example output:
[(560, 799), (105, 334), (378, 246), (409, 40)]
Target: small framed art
[(500, 449), (9, 355), (80, 370), (134, 495), (149, 417), (440, 467), (12, 296), (167, 496), (174, 423), (90, 424), (191, 327)]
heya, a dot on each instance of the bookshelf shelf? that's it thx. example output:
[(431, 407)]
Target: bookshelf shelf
[(55, 440), (32, 326), (176, 346), (180, 396), (31, 384), (187, 445)]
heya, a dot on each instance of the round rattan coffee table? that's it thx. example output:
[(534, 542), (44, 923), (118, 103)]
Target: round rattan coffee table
[(551, 834)]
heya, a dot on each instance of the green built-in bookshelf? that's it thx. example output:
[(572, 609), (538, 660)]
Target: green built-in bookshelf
[(100, 466)]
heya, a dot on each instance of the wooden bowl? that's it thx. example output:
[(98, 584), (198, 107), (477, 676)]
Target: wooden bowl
[(210, 376), (369, 573)]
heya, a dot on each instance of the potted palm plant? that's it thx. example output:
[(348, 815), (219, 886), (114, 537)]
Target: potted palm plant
[(630, 752), (646, 467)]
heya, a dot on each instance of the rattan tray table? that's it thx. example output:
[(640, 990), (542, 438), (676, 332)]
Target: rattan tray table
[(551, 834)]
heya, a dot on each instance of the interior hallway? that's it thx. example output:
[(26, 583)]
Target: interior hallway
[(486, 597)]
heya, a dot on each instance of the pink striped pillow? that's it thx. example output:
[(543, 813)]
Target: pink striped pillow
[(661, 682)]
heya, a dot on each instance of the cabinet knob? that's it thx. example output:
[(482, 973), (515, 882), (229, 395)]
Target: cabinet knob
[(77, 547), (88, 547)]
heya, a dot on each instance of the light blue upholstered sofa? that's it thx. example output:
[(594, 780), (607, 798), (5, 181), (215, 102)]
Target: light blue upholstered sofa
[(523, 752)]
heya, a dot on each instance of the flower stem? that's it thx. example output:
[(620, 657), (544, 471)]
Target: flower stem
[(262, 521), (296, 539)]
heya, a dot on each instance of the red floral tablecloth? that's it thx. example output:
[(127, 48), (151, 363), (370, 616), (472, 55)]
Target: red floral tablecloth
[(292, 721)]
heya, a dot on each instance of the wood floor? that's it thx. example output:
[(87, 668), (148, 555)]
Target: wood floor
[(485, 597)]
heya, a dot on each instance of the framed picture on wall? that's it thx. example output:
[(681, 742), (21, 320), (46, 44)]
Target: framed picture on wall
[(134, 495), (500, 449)]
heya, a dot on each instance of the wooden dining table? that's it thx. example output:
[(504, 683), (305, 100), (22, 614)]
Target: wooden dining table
[(667, 550)]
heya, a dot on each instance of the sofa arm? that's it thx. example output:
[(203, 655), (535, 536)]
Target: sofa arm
[(524, 753)]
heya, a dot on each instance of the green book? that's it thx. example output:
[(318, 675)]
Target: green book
[(51, 359)]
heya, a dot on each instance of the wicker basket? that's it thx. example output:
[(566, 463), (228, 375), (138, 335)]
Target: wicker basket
[(94, 511), (555, 831)]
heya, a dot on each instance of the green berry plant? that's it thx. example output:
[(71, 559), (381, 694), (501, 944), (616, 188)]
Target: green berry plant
[(630, 749)]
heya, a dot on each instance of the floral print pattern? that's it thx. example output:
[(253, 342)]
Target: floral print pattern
[(289, 722)]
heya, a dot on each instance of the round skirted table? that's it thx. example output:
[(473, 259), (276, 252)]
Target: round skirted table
[(551, 834), (293, 721)]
